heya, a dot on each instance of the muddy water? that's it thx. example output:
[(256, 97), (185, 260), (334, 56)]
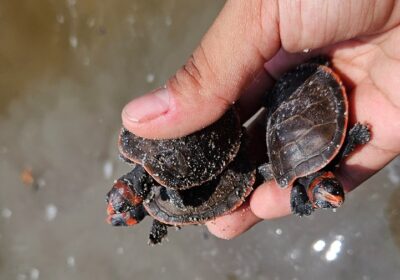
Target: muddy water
[(66, 69)]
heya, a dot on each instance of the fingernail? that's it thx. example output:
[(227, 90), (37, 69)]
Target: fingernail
[(147, 107)]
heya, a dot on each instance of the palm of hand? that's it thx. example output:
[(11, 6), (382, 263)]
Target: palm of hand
[(370, 67)]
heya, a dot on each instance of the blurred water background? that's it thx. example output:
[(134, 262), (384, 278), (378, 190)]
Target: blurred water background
[(66, 70)]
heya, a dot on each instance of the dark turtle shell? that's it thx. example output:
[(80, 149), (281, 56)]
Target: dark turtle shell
[(190, 160), (206, 202), (306, 121)]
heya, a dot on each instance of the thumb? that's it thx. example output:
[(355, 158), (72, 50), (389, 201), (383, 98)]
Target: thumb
[(229, 58)]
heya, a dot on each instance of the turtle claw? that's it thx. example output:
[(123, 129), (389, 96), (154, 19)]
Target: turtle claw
[(299, 201), (301, 210), (158, 232), (360, 133)]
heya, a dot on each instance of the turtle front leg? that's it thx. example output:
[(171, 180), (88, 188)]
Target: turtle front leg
[(158, 232), (359, 134), (299, 201)]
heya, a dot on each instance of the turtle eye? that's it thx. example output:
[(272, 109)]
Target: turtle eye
[(328, 194), (333, 187)]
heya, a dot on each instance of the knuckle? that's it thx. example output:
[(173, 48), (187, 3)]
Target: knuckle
[(189, 78), (197, 77), (305, 25)]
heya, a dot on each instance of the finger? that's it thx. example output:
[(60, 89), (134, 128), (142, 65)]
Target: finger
[(354, 171), (314, 24), (283, 61), (224, 67), (369, 106), (233, 224), (268, 201)]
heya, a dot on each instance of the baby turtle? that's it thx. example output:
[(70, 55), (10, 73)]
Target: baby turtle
[(187, 161), (189, 180), (307, 136)]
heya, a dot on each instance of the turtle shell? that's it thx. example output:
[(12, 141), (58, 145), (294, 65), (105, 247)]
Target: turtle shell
[(206, 202), (306, 121), (188, 161)]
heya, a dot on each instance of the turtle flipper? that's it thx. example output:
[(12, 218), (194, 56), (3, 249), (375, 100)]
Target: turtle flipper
[(359, 134), (157, 233), (299, 201)]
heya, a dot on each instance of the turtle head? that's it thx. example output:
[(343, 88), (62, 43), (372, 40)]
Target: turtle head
[(125, 206), (326, 191)]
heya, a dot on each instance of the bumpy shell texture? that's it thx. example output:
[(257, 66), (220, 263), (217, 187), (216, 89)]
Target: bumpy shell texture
[(188, 161)]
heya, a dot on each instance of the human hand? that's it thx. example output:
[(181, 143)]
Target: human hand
[(249, 45)]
